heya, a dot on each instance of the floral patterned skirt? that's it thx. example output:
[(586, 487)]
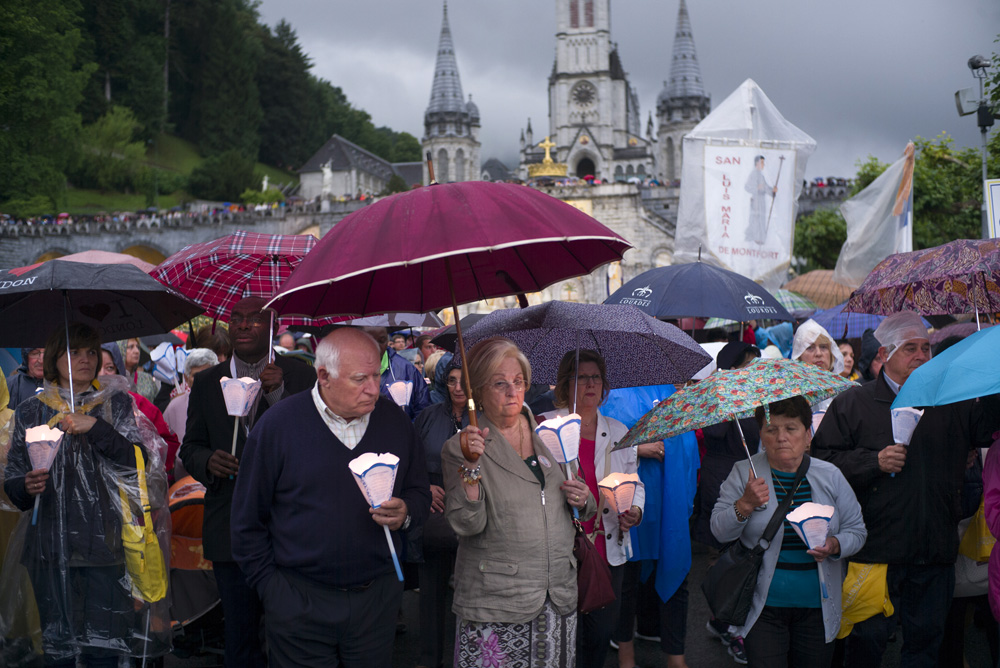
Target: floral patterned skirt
[(547, 641)]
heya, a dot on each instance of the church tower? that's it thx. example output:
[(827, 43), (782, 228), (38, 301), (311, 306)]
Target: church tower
[(682, 103), (451, 124), (593, 110)]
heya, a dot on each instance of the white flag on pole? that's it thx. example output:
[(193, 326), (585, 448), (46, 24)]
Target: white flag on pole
[(879, 222)]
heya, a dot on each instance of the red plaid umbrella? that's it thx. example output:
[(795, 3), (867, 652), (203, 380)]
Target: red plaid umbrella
[(217, 274)]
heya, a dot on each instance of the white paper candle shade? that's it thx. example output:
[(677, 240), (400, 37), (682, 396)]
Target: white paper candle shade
[(180, 357), (618, 490), (43, 444), (165, 362), (400, 391), (811, 522), (904, 422), (240, 394), (375, 475), (561, 436)]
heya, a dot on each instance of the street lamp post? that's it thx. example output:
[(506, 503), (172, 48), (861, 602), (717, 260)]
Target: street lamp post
[(984, 118)]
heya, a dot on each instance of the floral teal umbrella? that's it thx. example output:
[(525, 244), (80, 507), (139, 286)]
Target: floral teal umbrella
[(733, 395)]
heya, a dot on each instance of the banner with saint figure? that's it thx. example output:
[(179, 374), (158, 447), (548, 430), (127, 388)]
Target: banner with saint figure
[(749, 207)]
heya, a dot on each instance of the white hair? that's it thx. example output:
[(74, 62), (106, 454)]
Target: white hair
[(199, 357), (328, 354)]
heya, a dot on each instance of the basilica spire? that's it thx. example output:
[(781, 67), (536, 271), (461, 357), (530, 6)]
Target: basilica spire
[(446, 93), (685, 75)]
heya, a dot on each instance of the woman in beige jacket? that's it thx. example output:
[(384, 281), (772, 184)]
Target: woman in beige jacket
[(515, 574)]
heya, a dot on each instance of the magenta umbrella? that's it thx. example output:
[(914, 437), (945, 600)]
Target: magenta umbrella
[(443, 245)]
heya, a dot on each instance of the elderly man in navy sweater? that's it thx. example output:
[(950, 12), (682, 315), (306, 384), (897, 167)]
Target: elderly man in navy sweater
[(304, 534)]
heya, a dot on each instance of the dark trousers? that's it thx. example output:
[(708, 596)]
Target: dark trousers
[(434, 573), (310, 625), (243, 612), (668, 619), (594, 629), (788, 638), (921, 596)]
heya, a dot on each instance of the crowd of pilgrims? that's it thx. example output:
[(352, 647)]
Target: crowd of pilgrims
[(481, 514)]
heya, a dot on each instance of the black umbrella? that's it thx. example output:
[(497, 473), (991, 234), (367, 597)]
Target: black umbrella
[(699, 290), (119, 301), (448, 337)]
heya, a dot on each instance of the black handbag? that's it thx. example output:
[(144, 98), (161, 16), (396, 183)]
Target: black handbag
[(730, 582)]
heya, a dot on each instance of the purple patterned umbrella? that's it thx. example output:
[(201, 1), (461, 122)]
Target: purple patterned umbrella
[(638, 349), (961, 276)]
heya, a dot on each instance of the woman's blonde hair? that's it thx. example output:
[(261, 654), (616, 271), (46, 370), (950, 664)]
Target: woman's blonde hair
[(485, 359), (431, 364)]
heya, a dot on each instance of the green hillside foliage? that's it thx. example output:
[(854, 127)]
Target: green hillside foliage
[(87, 87)]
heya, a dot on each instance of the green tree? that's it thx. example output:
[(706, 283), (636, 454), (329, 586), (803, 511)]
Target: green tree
[(405, 149), (396, 184), (109, 158), (818, 238), (41, 82), (227, 102), (223, 177), (287, 107)]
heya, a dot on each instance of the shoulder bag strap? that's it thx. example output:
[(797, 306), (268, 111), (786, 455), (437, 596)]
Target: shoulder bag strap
[(779, 514)]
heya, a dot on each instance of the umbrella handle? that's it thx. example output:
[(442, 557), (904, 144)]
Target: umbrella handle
[(34, 513), (470, 456), (743, 439)]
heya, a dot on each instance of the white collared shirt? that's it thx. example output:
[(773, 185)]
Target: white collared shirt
[(349, 433)]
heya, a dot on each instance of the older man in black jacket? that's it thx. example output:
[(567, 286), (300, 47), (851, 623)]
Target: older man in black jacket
[(206, 456), (909, 495)]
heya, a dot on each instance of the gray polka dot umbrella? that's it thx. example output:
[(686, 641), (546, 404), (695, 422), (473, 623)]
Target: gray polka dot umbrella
[(638, 349)]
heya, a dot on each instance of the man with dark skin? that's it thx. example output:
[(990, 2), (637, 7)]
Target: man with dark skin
[(207, 456)]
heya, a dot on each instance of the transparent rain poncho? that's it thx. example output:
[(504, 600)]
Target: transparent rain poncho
[(65, 589)]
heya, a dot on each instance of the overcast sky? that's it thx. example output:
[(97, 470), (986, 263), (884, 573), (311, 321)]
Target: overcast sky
[(862, 77)]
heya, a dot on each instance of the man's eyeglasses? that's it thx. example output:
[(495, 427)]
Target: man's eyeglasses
[(503, 387), (596, 379), (36, 354), (254, 320)]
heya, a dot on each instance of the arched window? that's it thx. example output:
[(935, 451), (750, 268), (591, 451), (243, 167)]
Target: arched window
[(629, 172), (641, 171), (574, 13), (441, 168), (459, 165), (588, 12), (619, 174)]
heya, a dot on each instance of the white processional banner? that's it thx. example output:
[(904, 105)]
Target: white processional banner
[(750, 207)]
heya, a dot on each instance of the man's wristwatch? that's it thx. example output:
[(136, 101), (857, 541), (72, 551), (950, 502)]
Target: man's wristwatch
[(406, 523)]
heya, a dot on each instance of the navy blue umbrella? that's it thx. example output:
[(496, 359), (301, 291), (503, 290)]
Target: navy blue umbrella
[(699, 290), (638, 350)]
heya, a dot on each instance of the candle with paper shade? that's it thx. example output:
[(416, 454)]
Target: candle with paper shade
[(165, 363), (240, 395), (400, 391), (904, 423), (618, 490), (43, 444), (561, 436), (376, 476), (811, 522)]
